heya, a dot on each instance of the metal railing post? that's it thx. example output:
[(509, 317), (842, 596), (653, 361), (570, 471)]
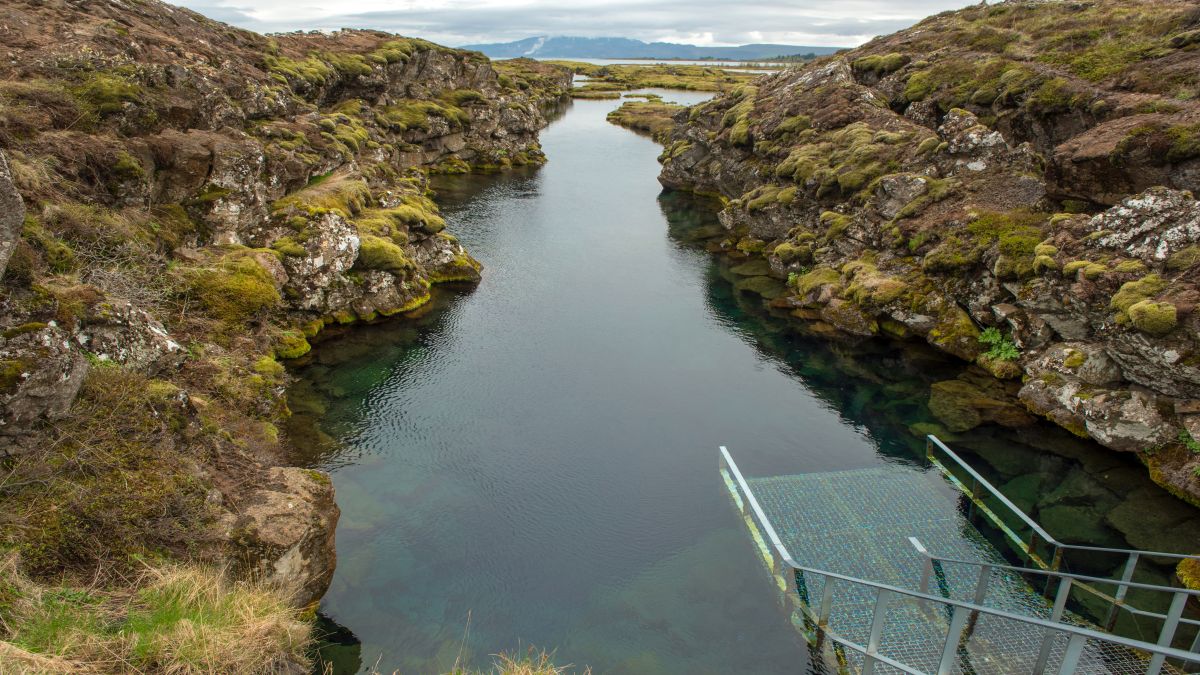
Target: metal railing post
[(981, 589), (1071, 657), (953, 639), (1060, 605), (882, 597), (1122, 589), (826, 603), (1167, 634)]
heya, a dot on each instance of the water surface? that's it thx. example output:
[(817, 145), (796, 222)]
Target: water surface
[(534, 462)]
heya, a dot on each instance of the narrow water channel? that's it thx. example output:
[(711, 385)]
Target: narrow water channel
[(534, 462)]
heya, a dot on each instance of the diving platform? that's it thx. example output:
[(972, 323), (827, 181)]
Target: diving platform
[(883, 571)]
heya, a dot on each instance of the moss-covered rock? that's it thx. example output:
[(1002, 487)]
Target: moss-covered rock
[(1155, 318)]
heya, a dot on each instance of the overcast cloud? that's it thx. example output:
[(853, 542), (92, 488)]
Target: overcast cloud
[(831, 23)]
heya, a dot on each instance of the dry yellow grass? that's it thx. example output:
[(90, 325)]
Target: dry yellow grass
[(175, 620)]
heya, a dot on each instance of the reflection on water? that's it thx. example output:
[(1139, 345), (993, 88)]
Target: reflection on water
[(533, 462)]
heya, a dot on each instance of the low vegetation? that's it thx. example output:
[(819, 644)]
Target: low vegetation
[(652, 116), (169, 619), (662, 76)]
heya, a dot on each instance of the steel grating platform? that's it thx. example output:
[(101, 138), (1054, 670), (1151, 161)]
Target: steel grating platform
[(858, 523)]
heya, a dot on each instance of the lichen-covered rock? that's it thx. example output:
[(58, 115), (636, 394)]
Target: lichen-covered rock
[(41, 376), (1151, 226), (284, 533), (12, 214), (121, 333), (318, 275)]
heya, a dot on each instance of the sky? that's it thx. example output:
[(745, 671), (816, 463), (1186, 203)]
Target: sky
[(820, 23)]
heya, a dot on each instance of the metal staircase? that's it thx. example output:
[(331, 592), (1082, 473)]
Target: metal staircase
[(870, 597)]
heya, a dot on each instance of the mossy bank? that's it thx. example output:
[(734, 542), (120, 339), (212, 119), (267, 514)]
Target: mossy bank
[(185, 205), (1011, 183)]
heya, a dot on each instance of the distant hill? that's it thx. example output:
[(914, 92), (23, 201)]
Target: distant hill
[(625, 48)]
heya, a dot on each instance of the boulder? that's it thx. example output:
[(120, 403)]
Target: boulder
[(40, 376), (12, 214), (285, 532)]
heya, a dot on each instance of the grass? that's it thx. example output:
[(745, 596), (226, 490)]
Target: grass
[(662, 76), (174, 619), (651, 116)]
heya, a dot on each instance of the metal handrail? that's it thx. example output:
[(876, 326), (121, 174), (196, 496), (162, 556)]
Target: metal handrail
[(1046, 536), (1067, 581), (961, 612)]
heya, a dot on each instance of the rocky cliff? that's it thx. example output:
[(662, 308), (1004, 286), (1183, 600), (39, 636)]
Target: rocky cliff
[(1011, 183), (182, 205)]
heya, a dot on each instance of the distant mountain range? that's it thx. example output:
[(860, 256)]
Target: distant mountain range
[(625, 48)]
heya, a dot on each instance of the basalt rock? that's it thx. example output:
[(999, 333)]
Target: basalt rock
[(285, 533), (12, 214)]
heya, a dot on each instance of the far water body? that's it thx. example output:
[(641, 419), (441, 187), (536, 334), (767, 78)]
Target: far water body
[(534, 461)]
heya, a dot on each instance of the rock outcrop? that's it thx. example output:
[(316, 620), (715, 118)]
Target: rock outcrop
[(1011, 197), (183, 205)]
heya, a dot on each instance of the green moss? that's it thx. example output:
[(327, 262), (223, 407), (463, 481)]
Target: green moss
[(414, 114), (751, 245), (1134, 292), (762, 197), (1188, 569), (1185, 142), (952, 255), (268, 367), (12, 373), (377, 253), (1130, 267), (343, 195), (795, 124), (788, 252), (1017, 233), (292, 345), (1074, 359), (311, 71), (57, 254), (881, 64), (1184, 258), (928, 145), (461, 268), (869, 288), (288, 246), (835, 224), (22, 329), (234, 290), (107, 93), (1044, 263), (1155, 318), (210, 193), (822, 276)]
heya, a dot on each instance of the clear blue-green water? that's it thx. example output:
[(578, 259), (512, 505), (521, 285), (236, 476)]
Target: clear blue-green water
[(534, 461)]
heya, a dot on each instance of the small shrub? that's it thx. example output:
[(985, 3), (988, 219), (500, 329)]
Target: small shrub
[(1188, 442), (1000, 346)]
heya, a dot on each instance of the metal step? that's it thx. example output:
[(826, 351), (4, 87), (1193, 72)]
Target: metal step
[(844, 538)]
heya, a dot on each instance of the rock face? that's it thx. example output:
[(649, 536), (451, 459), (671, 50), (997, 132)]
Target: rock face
[(12, 214), (978, 183), (285, 533), (188, 203)]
